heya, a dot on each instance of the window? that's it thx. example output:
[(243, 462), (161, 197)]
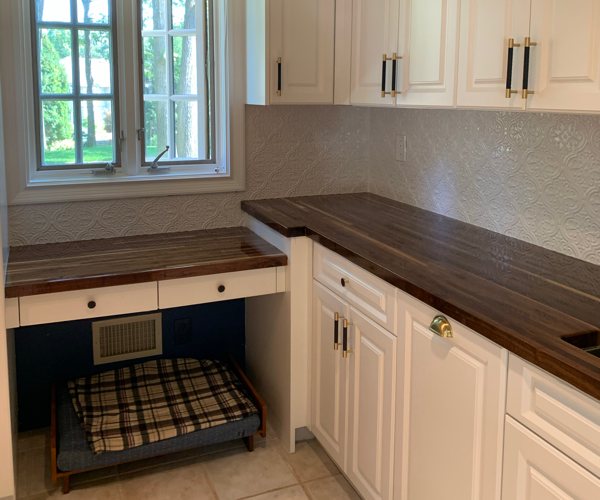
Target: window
[(106, 92)]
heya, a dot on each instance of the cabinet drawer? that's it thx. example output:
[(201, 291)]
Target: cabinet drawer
[(559, 413), (535, 470), (89, 303), (370, 294), (216, 287)]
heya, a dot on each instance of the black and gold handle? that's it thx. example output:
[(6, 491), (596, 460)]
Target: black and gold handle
[(394, 60), (336, 331), (383, 75), (509, 67), (345, 338), (279, 76), (527, 44)]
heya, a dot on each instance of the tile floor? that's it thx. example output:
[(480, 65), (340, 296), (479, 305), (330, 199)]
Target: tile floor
[(224, 472)]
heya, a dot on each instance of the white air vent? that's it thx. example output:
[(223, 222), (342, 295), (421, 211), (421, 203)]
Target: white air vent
[(127, 338)]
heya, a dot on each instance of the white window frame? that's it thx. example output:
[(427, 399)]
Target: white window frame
[(26, 184)]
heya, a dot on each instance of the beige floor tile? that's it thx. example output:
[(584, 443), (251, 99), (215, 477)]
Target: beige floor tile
[(243, 474), (108, 489), (173, 482), (33, 473), (310, 461), (33, 440), (94, 476), (291, 493), (331, 488)]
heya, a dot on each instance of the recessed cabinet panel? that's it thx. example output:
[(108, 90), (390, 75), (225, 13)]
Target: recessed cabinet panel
[(372, 364), (302, 39), (374, 33), (427, 44), (534, 470), (449, 437), (328, 374), (565, 65), (485, 27)]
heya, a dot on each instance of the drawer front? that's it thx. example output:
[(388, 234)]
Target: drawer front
[(90, 303), (216, 287), (370, 294), (559, 413), (535, 470)]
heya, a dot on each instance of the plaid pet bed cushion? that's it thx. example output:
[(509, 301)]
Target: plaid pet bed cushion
[(156, 400)]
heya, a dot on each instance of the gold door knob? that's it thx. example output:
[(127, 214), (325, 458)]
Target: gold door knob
[(442, 327)]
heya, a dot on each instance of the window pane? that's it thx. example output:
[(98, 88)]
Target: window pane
[(186, 130), (155, 65), (156, 126), (97, 131), (183, 14), (185, 79), (57, 132), (55, 61), (94, 62), (93, 11), (154, 13), (53, 10)]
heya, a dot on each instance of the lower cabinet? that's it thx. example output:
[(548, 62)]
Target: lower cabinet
[(535, 470), (451, 394), (353, 392)]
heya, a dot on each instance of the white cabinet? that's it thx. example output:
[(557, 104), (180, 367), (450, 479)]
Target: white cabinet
[(329, 375), (353, 394), (450, 429), (534, 470), (371, 407), (419, 40), (290, 51), (564, 63)]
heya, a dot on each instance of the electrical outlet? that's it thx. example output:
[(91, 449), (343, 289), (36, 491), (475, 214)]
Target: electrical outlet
[(182, 330), (400, 147)]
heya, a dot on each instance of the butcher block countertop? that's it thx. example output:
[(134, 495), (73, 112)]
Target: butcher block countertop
[(60, 267), (521, 296)]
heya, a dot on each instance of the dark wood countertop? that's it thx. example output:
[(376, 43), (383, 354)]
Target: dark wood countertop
[(59, 267), (521, 296)]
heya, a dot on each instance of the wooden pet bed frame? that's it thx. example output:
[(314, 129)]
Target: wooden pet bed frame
[(65, 476)]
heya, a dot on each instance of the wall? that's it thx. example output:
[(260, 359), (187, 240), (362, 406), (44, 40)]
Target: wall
[(529, 175), (532, 176), (289, 151)]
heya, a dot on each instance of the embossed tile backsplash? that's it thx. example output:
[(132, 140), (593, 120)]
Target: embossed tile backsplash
[(532, 176)]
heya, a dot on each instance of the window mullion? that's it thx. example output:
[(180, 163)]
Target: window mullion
[(170, 80), (76, 86)]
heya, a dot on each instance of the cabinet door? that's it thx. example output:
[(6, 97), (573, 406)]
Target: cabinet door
[(454, 402), (427, 43), (329, 379), (374, 33), (372, 366), (302, 35), (485, 27), (565, 65), (534, 470)]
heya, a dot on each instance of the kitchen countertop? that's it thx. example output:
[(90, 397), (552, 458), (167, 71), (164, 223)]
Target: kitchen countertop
[(521, 296), (59, 267)]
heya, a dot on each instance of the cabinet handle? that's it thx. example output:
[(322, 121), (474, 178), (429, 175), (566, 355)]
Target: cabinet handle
[(345, 338), (279, 76), (395, 59), (221, 288), (441, 327), (91, 304), (343, 282), (336, 331), (383, 75), (509, 67), (527, 44)]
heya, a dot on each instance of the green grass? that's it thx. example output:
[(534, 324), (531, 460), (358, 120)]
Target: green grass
[(98, 154)]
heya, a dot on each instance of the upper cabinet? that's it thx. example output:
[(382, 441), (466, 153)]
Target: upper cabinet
[(290, 51), (403, 52), (534, 54)]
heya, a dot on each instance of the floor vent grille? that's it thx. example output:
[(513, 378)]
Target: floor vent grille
[(121, 339)]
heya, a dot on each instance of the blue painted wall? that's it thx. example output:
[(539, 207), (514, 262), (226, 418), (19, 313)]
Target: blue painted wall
[(48, 354)]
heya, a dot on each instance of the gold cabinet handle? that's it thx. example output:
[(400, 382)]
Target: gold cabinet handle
[(441, 327)]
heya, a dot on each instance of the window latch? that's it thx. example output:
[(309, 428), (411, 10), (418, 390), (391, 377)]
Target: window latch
[(154, 168), (140, 133)]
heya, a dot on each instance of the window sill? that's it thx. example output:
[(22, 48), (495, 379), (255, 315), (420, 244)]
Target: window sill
[(115, 186)]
